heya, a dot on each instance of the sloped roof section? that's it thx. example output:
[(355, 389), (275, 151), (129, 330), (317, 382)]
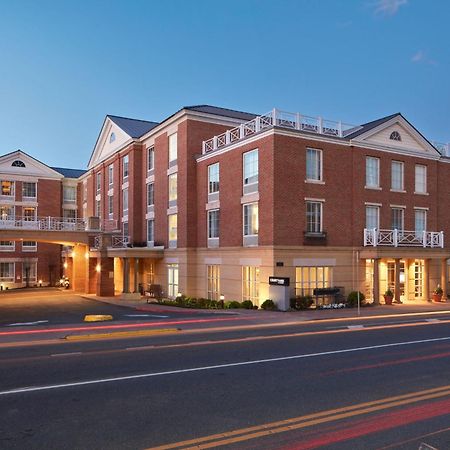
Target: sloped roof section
[(69, 173), (208, 109), (133, 127), (370, 125)]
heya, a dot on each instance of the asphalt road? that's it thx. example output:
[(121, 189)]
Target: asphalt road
[(379, 387)]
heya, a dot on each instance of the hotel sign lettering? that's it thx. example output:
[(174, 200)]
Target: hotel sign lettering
[(279, 281)]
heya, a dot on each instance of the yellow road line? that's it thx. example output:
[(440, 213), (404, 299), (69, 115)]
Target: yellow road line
[(306, 421), (118, 334)]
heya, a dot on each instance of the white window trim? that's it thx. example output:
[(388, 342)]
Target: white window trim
[(312, 180), (207, 224), (243, 219), (378, 214), (254, 183), (378, 186), (402, 189), (321, 216)]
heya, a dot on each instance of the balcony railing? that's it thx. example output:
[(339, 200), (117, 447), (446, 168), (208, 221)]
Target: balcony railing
[(277, 118), (400, 238)]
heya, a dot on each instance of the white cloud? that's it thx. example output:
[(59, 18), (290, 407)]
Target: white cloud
[(388, 7), (420, 57)]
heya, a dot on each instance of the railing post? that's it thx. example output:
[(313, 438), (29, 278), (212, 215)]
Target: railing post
[(375, 237), (395, 237), (424, 238), (203, 147), (241, 131), (297, 121), (49, 222), (215, 142), (274, 117), (227, 137), (320, 121), (441, 236), (340, 128), (257, 124)]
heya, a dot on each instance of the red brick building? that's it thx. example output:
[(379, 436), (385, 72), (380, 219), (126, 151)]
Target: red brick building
[(213, 202)]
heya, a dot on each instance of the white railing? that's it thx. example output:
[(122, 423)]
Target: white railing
[(282, 119), (444, 149), (42, 223), (400, 238), (109, 225), (119, 241)]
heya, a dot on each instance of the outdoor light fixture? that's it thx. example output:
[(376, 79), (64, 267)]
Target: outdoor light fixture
[(86, 255), (65, 265), (179, 294), (97, 268), (222, 297), (40, 283)]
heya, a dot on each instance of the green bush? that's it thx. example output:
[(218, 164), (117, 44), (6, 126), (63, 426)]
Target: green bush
[(352, 299), (232, 304), (269, 305), (301, 302), (247, 304)]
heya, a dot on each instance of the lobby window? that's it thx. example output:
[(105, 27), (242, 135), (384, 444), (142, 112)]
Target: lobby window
[(29, 246), (150, 194), (7, 188), (420, 222), (110, 205), (397, 218), (250, 162), (173, 149), (110, 175), (6, 271), (173, 230), (313, 217), (372, 217), (150, 158), (29, 213), (172, 280), (213, 279), (372, 172), (213, 223), (250, 284), (125, 168), (313, 164), (173, 182), (98, 182), (69, 194), (213, 178), (397, 170), (28, 190), (309, 278), (251, 219), (150, 231), (125, 201), (420, 186), (29, 271)]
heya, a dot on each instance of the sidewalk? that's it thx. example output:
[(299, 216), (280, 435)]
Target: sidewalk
[(287, 316)]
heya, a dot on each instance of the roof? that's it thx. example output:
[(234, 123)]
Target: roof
[(133, 127), (208, 109), (69, 173), (369, 126)]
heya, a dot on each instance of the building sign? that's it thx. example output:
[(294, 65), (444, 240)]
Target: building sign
[(279, 281)]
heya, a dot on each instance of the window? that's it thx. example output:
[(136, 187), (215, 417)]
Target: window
[(213, 178), (112, 138), (150, 230), (372, 217), (98, 208), (313, 164), (7, 246), (7, 188), (420, 179), (420, 222), (313, 217), (125, 231), (29, 213), (110, 175), (172, 229), (110, 205), (69, 194), (29, 246), (418, 278), (150, 194), (172, 280), (173, 148), (251, 225), (173, 189), (150, 158), (28, 190), (98, 182), (125, 167), (397, 218), (213, 223), (6, 271), (69, 215), (29, 272), (309, 278), (251, 167), (6, 213), (397, 176), (84, 191), (18, 163), (125, 201), (395, 136), (372, 172), (213, 278), (250, 284)]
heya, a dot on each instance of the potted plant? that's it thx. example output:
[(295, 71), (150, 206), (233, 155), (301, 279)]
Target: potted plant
[(437, 294), (388, 297)]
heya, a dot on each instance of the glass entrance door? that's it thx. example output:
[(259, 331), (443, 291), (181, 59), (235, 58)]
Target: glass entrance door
[(391, 278)]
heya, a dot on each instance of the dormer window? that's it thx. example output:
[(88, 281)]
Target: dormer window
[(18, 163), (395, 136), (112, 137)]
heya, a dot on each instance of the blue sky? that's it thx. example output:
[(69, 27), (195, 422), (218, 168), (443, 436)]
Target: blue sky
[(64, 65)]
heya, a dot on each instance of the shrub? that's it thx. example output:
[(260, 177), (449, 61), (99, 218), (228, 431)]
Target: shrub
[(269, 305), (389, 293), (352, 299), (301, 302), (247, 304), (233, 304)]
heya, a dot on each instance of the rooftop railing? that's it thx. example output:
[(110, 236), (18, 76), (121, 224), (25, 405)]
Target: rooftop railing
[(375, 237), (444, 149)]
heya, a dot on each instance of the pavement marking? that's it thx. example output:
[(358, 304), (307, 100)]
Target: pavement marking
[(146, 315), (118, 334), (397, 444), (218, 366), (66, 354), (432, 320), (257, 431), (37, 322), (355, 327)]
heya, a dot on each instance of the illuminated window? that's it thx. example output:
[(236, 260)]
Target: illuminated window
[(173, 148), (7, 188), (250, 284), (213, 277), (172, 280), (251, 220), (173, 183), (309, 278)]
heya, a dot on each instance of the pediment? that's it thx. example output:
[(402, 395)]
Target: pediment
[(20, 164), (398, 134), (105, 145)]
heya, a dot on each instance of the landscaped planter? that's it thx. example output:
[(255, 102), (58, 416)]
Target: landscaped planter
[(437, 298), (388, 299)]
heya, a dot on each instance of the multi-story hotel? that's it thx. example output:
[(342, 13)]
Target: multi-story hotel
[(212, 202)]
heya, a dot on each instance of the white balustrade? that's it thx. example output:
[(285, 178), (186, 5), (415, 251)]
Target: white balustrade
[(401, 238)]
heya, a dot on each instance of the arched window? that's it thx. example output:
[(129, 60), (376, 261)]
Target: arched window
[(112, 137), (18, 163), (395, 136)]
